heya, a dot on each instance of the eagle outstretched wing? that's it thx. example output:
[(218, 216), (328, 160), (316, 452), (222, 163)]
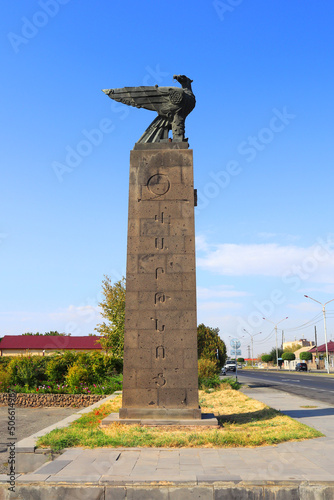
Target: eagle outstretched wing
[(172, 104), (159, 99)]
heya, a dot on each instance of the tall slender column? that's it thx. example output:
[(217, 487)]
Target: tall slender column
[(160, 341)]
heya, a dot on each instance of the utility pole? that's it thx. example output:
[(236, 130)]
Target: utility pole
[(251, 336), (249, 355), (266, 319), (282, 339), (325, 328), (316, 343)]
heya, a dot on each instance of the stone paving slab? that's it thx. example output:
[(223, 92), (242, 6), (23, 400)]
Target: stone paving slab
[(300, 463)]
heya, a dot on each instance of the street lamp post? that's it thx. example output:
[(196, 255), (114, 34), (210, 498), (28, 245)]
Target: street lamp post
[(325, 328), (251, 336), (276, 335)]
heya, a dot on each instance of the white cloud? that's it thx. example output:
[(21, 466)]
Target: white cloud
[(314, 263), (306, 306), (223, 291), (201, 244), (77, 320)]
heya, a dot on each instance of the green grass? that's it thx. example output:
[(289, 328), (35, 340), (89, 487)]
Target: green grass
[(243, 422)]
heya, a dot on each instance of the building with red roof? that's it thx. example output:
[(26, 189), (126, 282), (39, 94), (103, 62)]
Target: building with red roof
[(14, 345), (319, 355)]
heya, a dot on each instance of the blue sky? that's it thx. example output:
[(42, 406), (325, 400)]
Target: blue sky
[(263, 157)]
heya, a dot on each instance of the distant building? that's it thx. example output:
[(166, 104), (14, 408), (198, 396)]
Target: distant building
[(15, 345), (291, 365), (295, 343), (319, 355)]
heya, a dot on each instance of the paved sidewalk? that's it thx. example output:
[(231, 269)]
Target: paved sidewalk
[(306, 461)]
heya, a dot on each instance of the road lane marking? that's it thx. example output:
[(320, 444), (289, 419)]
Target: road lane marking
[(289, 380)]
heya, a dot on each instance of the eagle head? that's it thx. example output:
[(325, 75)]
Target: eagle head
[(183, 80)]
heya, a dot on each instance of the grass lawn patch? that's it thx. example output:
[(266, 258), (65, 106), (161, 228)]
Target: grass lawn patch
[(244, 422)]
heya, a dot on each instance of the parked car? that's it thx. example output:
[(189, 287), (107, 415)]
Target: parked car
[(301, 367), (230, 366)]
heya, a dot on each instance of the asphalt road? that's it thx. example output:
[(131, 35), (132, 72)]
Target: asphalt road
[(317, 387)]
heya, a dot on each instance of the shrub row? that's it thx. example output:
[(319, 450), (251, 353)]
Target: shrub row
[(61, 372)]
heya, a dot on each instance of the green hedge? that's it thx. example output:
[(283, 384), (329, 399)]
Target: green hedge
[(288, 356), (61, 371)]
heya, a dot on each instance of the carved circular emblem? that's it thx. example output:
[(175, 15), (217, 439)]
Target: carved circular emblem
[(158, 184), (175, 96)]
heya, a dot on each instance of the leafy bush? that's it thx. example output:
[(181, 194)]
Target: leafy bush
[(232, 382), (100, 366), (288, 356), (112, 366), (108, 386), (207, 368), (209, 382), (77, 374), (208, 342), (241, 360), (5, 360), (27, 370), (58, 365), (305, 356), (5, 380)]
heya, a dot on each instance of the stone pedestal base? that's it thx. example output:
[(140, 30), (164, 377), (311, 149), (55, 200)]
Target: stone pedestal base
[(171, 418), (160, 413)]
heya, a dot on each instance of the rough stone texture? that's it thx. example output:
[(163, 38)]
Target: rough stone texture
[(115, 493), (160, 344), (162, 491), (36, 492), (43, 400)]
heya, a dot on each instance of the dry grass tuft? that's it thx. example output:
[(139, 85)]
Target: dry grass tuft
[(243, 422)]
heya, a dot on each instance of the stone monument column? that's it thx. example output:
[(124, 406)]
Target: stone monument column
[(160, 378), (160, 375)]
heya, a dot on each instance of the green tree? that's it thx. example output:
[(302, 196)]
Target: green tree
[(266, 358), (288, 356), (241, 360), (113, 311), (273, 354), (306, 356), (294, 347), (54, 333), (208, 341)]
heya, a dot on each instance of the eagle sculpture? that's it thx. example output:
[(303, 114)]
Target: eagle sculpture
[(173, 105)]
